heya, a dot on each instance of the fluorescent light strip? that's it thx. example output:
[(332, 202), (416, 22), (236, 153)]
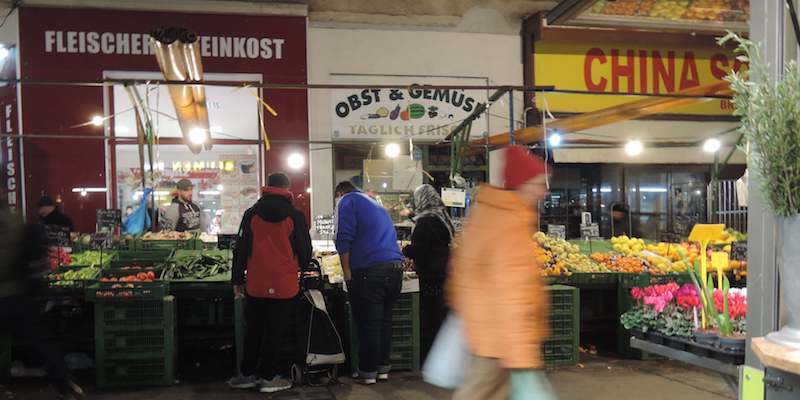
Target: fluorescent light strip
[(209, 193), (89, 190)]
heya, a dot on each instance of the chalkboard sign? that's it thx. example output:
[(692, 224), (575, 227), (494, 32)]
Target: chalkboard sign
[(108, 219), (739, 251), (590, 231), (102, 240), (557, 231), (226, 242), (56, 235)]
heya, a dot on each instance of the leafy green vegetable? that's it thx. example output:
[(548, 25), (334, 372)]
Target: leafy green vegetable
[(91, 258), (200, 266)]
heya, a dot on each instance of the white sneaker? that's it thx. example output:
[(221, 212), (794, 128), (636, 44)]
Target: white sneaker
[(276, 384), (383, 377), (243, 382)]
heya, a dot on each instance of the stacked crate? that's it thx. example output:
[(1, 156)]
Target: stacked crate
[(135, 342), (563, 346)]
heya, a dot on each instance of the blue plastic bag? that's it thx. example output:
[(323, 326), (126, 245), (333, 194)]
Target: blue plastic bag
[(531, 385), (449, 357), (139, 220)]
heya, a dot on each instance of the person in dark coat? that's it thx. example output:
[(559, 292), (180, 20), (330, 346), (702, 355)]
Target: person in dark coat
[(430, 250), (274, 245), (51, 215)]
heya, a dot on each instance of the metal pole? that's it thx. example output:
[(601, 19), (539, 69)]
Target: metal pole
[(511, 124)]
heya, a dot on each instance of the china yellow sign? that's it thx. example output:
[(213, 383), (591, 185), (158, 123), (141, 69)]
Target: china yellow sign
[(629, 69)]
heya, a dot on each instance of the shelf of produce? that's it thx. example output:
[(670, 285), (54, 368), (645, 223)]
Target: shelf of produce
[(685, 356)]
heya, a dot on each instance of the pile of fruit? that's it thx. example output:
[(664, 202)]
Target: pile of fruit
[(149, 276), (625, 245), (620, 263), (559, 257)]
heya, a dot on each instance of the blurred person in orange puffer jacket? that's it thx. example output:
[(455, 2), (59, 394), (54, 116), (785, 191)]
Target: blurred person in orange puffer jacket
[(495, 285)]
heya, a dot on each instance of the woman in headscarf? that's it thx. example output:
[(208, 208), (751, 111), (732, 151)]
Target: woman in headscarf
[(430, 250)]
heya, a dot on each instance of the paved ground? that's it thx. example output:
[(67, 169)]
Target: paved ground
[(596, 379)]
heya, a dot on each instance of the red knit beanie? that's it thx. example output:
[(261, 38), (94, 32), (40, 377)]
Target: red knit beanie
[(521, 166)]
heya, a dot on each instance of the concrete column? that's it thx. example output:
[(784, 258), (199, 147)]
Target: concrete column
[(770, 26)]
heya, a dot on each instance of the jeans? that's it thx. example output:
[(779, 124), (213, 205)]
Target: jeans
[(373, 294), (269, 330)]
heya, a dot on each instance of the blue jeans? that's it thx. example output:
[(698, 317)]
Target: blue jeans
[(373, 294)]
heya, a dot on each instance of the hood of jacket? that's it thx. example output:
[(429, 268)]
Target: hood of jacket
[(275, 204)]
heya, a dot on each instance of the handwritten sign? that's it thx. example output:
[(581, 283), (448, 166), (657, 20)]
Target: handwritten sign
[(108, 219), (557, 231), (454, 197), (226, 241), (102, 240), (590, 231), (324, 225), (739, 251), (56, 235)]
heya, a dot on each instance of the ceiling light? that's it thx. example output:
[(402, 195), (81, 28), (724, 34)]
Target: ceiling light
[(392, 150), (555, 140), (296, 161), (308, 190), (220, 187), (197, 135), (97, 120), (634, 148), (711, 145)]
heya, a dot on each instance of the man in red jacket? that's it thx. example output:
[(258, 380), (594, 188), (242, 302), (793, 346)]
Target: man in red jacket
[(273, 245)]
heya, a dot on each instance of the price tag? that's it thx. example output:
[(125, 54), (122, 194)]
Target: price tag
[(102, 240), (108, 219), (324, 226), (557, 231), (590, 231), (719, 260), (56, 235), (454, 197), (226, 241), (739, 251)]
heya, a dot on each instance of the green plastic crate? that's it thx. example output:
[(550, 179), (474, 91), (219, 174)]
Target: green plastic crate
[(563, 345), (406, 342), (135, 343), (136, 372), (205, 312), (132, 315), (164, 244), (146, 257)]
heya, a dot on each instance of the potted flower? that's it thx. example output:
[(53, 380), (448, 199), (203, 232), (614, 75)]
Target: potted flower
[(707, 333), (769, 110), (732, 306)]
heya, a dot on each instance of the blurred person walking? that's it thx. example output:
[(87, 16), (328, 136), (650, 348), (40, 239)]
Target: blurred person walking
[(23, 265), (372, 264), (495, 286), (430, 250)]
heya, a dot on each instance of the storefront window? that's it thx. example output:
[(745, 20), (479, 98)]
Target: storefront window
[(226, 180)]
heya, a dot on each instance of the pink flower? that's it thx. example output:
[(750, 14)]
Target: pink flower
[(637, 293)]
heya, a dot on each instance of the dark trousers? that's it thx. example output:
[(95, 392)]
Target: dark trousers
[(21, 315), (433, 311), (373, 294), (269, 329)]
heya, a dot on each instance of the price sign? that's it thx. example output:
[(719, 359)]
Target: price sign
[(454, 197), (324, 226), (557, 231), (56, 235), (739, 251), (102, 240), (108, 219), (590, 231), (226, 242)]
